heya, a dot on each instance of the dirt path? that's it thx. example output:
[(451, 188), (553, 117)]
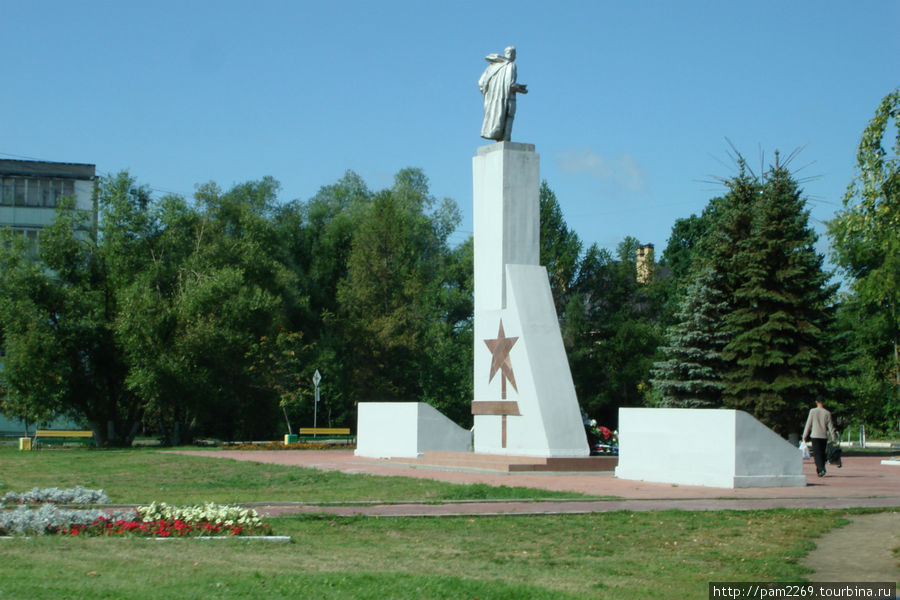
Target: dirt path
[(861, 551)]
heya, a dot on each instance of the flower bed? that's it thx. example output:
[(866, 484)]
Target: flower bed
[(158, 520), (161, 528), (47, 519), (607, 441), (208, 519), (294, 446)]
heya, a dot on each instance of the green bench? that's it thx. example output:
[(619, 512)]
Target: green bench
[(310, 434), (62, 436)]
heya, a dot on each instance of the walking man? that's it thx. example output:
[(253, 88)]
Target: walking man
[(818, 427)]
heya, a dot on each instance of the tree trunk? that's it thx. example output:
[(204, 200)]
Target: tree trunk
[(896, 362), (99, 434)]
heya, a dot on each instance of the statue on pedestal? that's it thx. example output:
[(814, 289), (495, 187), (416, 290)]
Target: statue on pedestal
[(499, 87)]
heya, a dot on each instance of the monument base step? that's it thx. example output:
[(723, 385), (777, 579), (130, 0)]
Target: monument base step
[(512, 464)]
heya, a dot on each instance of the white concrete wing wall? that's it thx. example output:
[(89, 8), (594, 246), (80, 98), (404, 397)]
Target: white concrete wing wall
[(406, 429), (707, 447), (763, 458), (438, 433), (551, 400), (548, 423)]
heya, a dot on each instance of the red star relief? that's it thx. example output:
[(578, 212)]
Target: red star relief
[(500, 348)]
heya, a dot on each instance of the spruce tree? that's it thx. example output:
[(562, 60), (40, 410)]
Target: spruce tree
[(779, 301), (691, 377)]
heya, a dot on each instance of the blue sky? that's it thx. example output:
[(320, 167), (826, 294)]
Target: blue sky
[(630, 105)]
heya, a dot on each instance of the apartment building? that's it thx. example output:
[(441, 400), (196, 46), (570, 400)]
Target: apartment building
[(29, 195), (30, 191)]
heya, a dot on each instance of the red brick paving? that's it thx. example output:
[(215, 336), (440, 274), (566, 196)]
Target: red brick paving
[(862, 482)]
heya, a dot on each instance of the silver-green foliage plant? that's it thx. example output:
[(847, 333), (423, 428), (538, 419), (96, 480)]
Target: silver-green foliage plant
[(54, 495)]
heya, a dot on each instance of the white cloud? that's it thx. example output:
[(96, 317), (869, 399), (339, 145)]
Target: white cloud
[(622, 171)]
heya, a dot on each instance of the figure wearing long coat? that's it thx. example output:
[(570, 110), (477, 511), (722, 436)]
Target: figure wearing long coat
[(496, 83)]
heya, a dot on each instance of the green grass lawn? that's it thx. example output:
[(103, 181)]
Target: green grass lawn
[(662, 554), (670, 554), (143, 475)]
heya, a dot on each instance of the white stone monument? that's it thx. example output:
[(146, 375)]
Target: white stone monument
[(524, 398), (407, 430), (707, 447)]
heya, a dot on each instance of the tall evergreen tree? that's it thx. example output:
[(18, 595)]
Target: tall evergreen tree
[(779, 300), (756, 257), (728, 239), (691, 376)]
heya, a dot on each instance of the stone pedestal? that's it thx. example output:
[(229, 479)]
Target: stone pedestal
[(524, 399), (406, 429), (707, 447), (506, 216)]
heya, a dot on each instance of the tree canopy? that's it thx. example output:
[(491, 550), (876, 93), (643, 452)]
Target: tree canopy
[(753, 327), (865, 237), (209, 316)]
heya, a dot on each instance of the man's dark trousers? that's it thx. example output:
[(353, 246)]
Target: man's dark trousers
[(818, 451)]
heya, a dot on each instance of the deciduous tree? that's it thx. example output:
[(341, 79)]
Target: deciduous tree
[(866, 243), (58, 321)]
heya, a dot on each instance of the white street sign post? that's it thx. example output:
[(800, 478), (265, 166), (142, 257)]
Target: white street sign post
[(316, 379)]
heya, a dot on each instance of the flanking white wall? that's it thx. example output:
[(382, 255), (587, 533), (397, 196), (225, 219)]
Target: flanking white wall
[(406, 429), (708, 447), (550, 423)]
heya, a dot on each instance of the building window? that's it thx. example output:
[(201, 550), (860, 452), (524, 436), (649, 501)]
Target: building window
[(43, 191), (33, 192), (55, 192), (6, 191), (19, 198), (46, 197)]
